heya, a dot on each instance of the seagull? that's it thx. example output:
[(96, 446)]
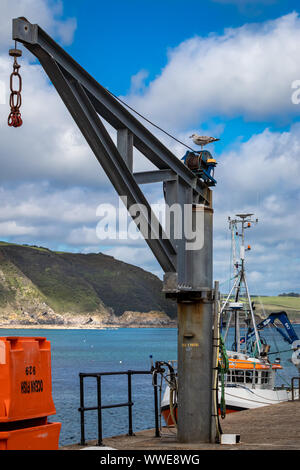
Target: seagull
[(202, 139)]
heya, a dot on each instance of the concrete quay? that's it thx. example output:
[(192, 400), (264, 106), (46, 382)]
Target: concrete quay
[(274, 427)]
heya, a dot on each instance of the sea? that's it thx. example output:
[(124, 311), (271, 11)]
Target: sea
[(84, 351)]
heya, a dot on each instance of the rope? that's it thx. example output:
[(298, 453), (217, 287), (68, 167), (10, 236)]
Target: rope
[(223, 368), (216, 344), (227, 280), (150, 122), (278, 352)]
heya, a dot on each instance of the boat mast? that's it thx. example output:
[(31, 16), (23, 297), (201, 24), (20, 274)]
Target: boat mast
[(234, 308)]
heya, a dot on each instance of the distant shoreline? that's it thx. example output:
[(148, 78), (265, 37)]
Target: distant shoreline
[(90, 327), (81, 327)]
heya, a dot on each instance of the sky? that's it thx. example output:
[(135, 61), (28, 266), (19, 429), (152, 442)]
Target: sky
[(224, 68)]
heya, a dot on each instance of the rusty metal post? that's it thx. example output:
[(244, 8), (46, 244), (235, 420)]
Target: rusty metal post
[(195, 322)]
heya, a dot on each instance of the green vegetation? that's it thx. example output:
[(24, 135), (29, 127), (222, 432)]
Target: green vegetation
[(290, 294)]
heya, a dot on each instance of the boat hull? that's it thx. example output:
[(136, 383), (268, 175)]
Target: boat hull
[(236, 399), (166, 414)]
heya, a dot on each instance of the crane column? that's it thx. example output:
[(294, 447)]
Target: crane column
[(195, 322)]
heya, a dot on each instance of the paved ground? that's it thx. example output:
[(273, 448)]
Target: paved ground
[(275, 427)]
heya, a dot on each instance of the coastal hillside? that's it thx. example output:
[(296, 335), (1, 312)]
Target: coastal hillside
[(38, 285), (43, 287)]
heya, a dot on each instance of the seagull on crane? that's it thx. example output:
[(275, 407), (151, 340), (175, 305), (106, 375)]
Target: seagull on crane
[(202, 139)]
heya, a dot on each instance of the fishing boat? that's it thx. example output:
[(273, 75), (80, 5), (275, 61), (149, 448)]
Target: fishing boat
[(247, 377)]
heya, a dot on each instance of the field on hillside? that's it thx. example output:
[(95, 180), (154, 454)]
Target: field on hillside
[(277, 303), (264, 305)]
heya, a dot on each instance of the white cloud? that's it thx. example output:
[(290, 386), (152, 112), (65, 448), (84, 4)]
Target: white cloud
[(11, 228), (65, 30), (52, 214), (83, 236), (138, 82), (264, 171), (52, 184), (48, 146), (43, 203), (261, 176), (246, 71)]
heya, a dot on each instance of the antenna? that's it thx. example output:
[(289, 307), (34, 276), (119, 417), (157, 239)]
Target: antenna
[(245, 221)]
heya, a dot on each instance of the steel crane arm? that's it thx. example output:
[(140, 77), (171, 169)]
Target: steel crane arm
[(78, 102), (108, 156), (41, 45), (88, 102)]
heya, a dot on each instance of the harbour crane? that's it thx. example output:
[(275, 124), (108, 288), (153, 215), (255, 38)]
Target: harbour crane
[(186, 261)]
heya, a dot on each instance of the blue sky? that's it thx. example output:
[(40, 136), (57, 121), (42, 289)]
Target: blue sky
[(114, 40), (218, 67)]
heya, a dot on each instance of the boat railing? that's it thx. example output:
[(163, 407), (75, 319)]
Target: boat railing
[(295, 388)]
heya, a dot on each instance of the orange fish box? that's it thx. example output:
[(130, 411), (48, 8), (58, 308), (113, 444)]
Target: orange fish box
[(25, 378), (43, 437)]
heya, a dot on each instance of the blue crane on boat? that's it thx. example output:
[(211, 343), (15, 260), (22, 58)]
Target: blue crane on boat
[(288, 333)]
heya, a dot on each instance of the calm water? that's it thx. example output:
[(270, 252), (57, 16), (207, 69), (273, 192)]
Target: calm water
[(75, 351)]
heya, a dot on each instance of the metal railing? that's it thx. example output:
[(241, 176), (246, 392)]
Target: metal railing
[(99, 407), (295, 396)]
